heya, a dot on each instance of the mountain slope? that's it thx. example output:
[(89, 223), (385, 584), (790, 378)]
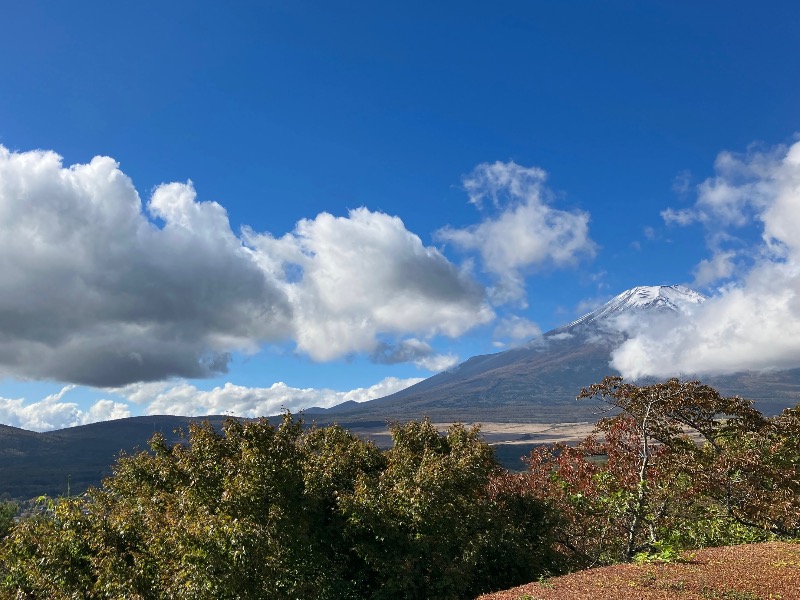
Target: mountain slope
[(539, 382)]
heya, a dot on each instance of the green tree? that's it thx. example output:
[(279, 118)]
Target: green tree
[(757, 475), (435, 524), (257, 511), (8, 510), (221, 516)]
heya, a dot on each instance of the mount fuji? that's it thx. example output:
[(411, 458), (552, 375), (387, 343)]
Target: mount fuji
[(539, 382), (533, 384), (664, 298)]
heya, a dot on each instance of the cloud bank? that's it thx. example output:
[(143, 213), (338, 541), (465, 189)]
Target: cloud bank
[(752, 322), (186, 399), (182, 398), (99, 289), (53, 412), (94, 292)]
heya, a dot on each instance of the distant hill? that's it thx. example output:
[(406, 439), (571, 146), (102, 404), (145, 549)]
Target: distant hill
[(72, 459), (32, 464)]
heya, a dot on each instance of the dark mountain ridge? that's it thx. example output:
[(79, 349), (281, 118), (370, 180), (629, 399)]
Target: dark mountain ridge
[(53, 462)]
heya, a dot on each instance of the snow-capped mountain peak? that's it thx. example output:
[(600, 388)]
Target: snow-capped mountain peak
[(676, 298)]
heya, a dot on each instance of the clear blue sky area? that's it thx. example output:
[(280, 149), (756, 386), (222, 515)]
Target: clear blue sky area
[(281, 111)]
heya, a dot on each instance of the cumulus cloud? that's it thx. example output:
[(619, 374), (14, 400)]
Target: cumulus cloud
[(752, 323), (183, 398), (141, 392), (54, 413), (94, 292), (98, 289), (743, 187), (364, 275), (710, 270), (523, 231), (240, 401)]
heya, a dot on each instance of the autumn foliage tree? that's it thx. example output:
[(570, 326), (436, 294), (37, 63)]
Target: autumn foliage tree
[(677, 465)]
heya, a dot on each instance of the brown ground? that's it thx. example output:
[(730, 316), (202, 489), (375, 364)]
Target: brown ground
[(750, 572), (496, 433)]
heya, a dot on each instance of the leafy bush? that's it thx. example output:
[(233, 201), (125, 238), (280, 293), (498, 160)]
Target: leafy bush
[(8, 510), (257, 511)]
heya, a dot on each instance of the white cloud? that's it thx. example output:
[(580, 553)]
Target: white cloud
[(436, 363), (752, 323), (93, 292), (744, 185), (140, 392), (502, 182), (710, 270), (526, 231), (183, 398), (240, 401), (365, 275), (385, 387), (514, 330), (99, 290), (53, 413), (561, 336), (681, 217)]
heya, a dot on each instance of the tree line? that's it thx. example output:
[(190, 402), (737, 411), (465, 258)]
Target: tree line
[(262, 511)]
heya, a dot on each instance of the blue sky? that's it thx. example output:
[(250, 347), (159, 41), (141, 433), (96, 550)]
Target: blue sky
[(405, 186)]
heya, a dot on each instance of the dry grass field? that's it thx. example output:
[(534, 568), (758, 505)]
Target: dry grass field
[(495, 432), (749, 572)]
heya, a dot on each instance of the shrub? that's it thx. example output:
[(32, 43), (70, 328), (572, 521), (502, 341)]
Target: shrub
[(257, 511)]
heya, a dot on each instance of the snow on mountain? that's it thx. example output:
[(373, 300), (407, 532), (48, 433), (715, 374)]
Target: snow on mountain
[(674, 298)]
